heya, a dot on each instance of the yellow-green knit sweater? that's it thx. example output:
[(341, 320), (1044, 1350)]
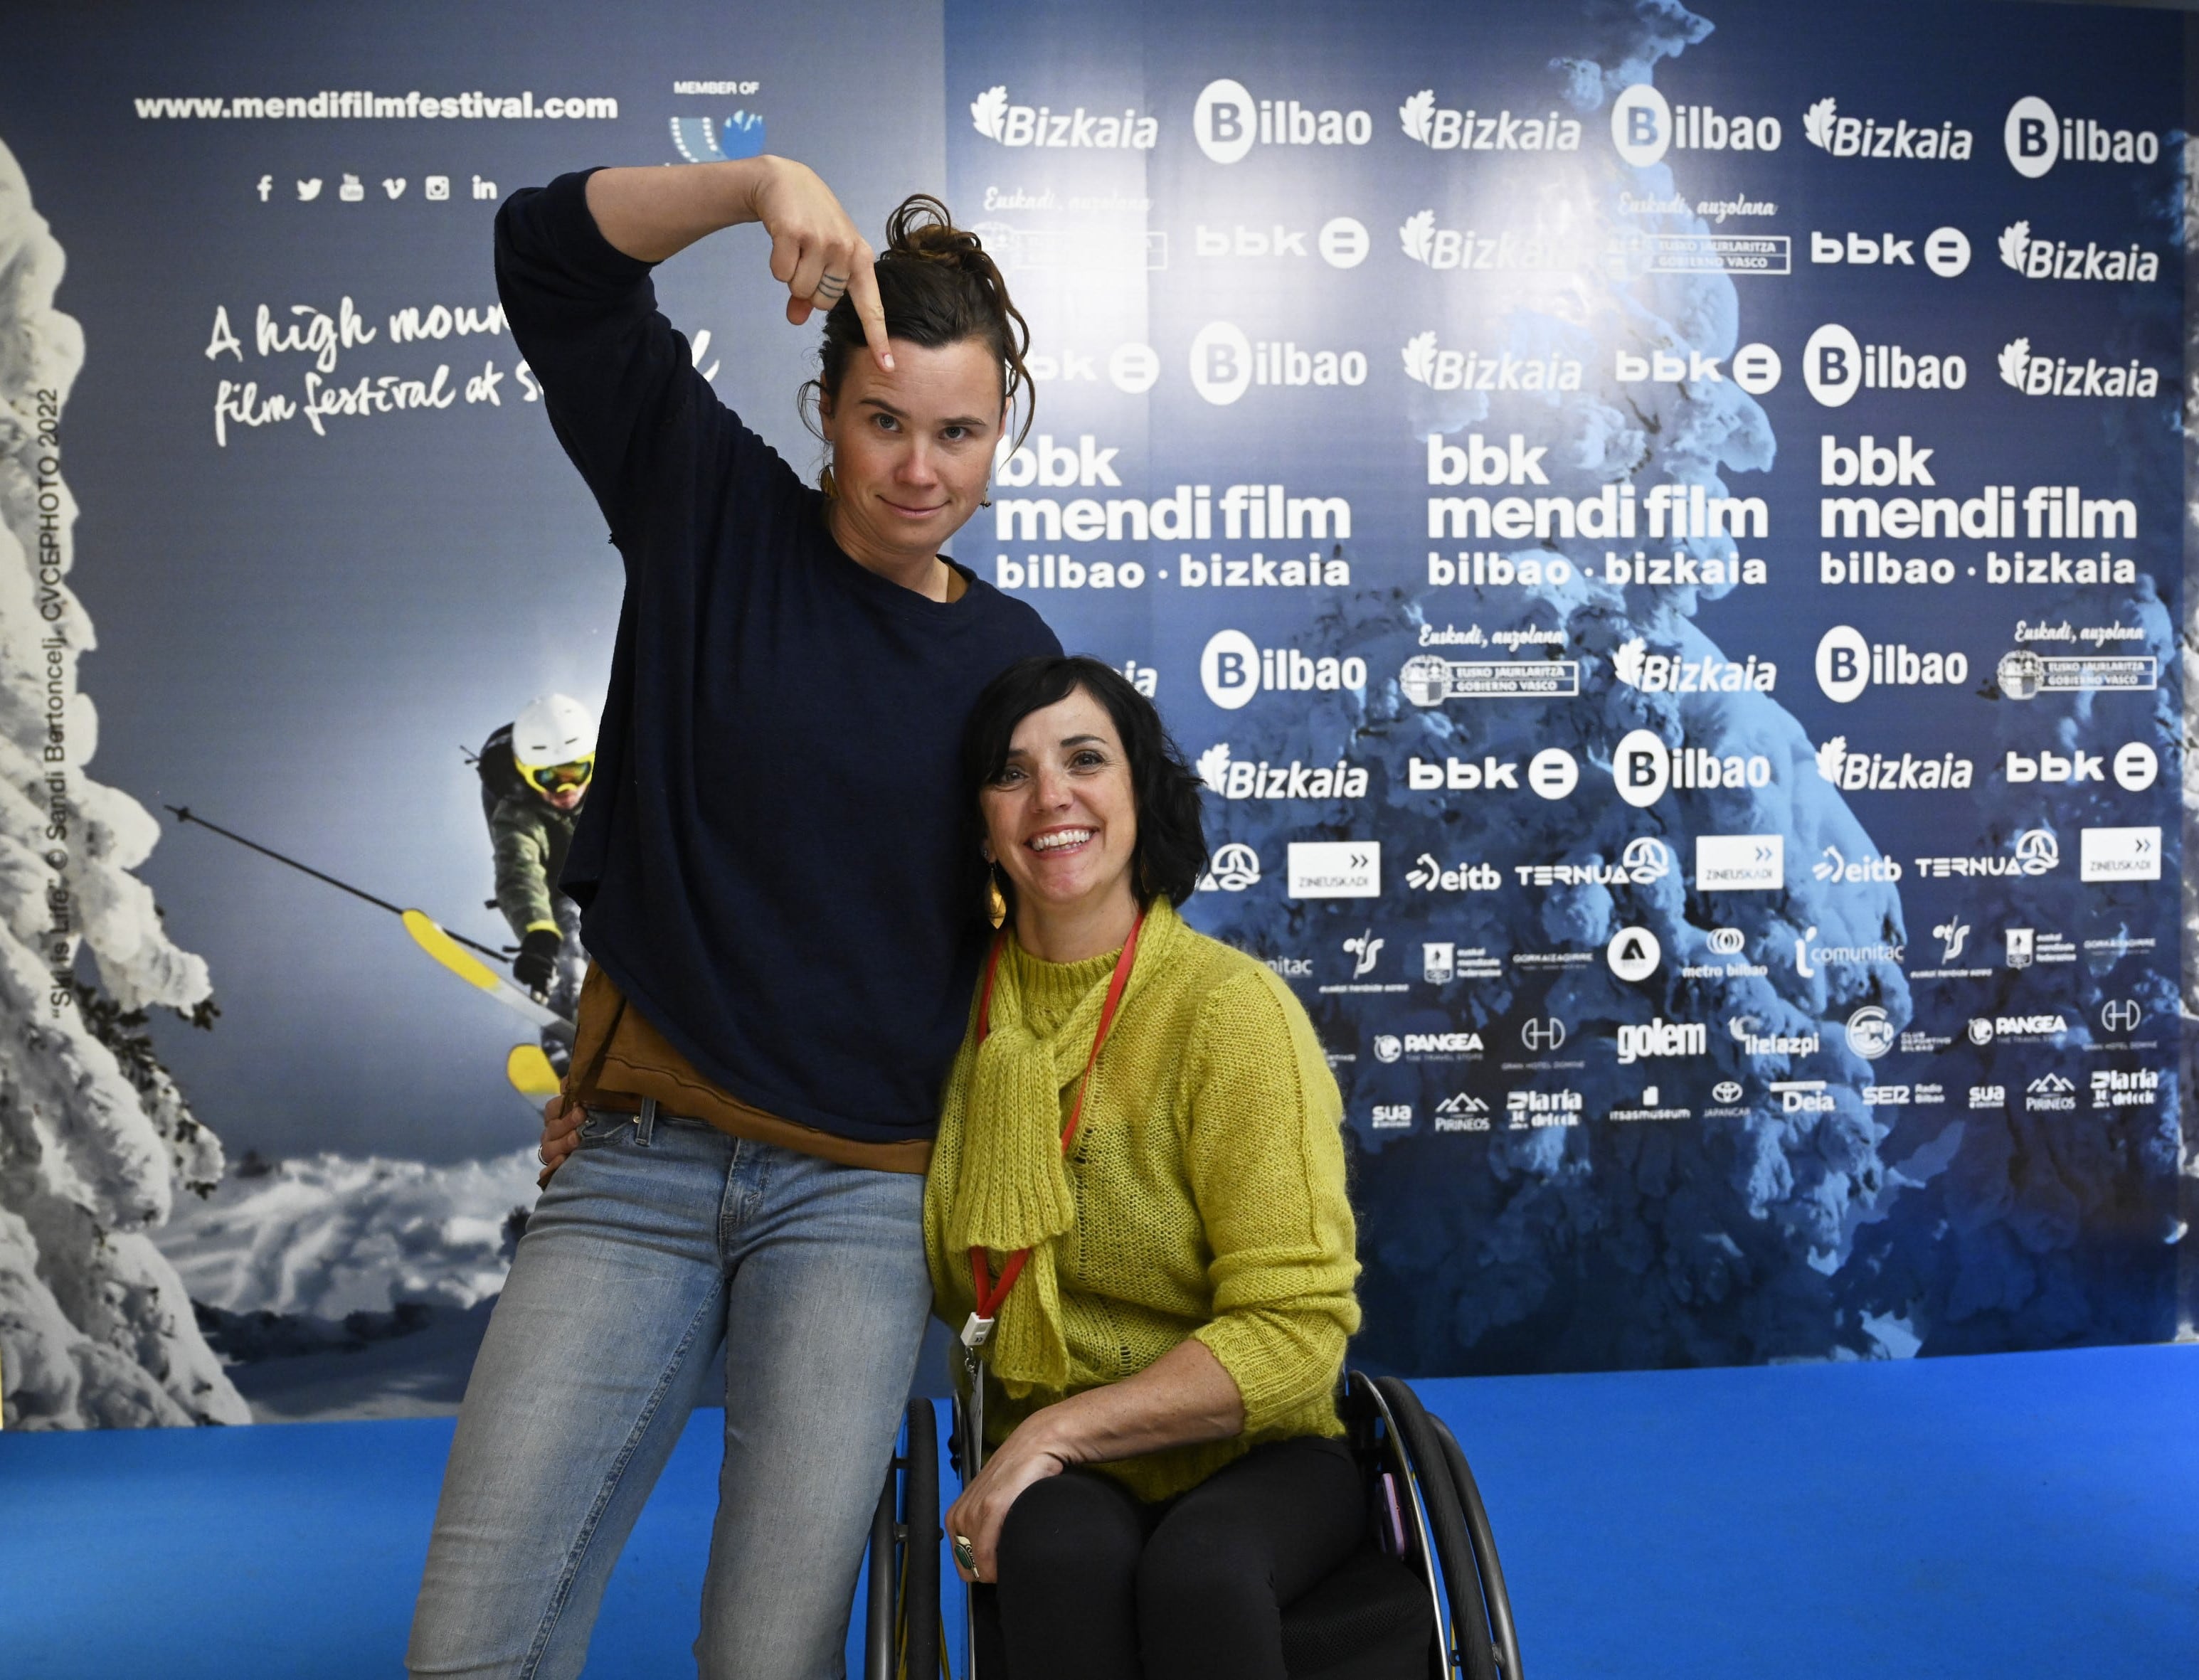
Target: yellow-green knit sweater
[(1203, 1196)]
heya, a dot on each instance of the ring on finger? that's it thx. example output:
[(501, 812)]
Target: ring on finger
[(966, 1553)]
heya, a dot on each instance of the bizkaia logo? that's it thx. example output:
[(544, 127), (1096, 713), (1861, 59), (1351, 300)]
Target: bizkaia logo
[(1825, 128), (1234, 669), (1658, 1037), (1471, 250), (2038, 259), (1644, 126), (1041, 125), (1225, 364), (2037, 375), (1227, 122), (1836, 364), (1231, 777), (1879, 772), (1947, 250), (2037, 140), (1443, 370), (1669, 673), (1446, 129), (1644, 769), (1847, 664)]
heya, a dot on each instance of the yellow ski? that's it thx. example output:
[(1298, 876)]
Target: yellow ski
[(446, 950)]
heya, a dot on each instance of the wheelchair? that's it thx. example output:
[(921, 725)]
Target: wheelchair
[(1422, 1599)]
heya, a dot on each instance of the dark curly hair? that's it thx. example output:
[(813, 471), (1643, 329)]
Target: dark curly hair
[(1171, 850)]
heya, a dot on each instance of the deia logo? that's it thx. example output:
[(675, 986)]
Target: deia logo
[(1445, 130), (1363, 949), (1644, 126), (2051, 259), (1462, 1113), (1234, 669), (1225, 364), (1470, 371), (1832, 867), (1467, 249), (1669, 673), (2037, 140), (1643, 769), (1243, 779), (1430, 876), (1227, 122), (1848, 665), (1802, 1096), (1754, 1043), (1234, 866), (1947, 250), (1823, 127), (1835, 365), (1039, 125), (1875, 773), (2038, 375), (1661, 1038)]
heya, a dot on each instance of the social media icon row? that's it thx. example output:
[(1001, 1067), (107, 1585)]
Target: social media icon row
[(435, 188)]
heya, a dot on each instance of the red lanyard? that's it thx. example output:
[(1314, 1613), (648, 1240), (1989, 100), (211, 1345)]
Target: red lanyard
[(988, 1298)]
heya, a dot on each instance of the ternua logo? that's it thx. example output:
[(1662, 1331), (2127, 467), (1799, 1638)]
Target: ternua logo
[(994, 116)]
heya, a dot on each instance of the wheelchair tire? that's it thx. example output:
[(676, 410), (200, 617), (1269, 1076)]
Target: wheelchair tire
[(1503, 1634), (920, 1581), (1469, 1618)]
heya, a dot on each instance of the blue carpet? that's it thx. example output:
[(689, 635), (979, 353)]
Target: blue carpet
[(2018, 1515)]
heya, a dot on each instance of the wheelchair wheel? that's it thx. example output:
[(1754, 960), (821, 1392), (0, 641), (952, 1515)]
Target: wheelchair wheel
[(1502, 1635), (901, 1638), (1472, 1650)]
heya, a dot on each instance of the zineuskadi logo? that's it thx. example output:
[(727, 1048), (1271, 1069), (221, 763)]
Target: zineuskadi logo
[(1231, 777), (1877, 773), (1469, 249), (1671, 673), (1227, 122), (1226, 363), (1645, 125), (1041, 125), (2038, 259), (1234, 669), (1851, 137), (1836, 364), (1847, 664), (1443, 370), (1445, 128), (2036, 139), (2038, 375)]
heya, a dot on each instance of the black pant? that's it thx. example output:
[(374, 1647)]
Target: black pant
[(1096, 1586)]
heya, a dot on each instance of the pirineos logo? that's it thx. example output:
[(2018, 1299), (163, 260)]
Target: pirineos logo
[(1645, 125), (2037, 258), (993, 115), (1447, 129), (2036, 139), (1825, 128), (1227, 122), (2038, 375)]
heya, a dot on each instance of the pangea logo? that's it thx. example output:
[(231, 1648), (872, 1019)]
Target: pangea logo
[(2037, 140), (1988, 1029), (1823, 127), (1010, 125), (1227, 122), (1225, 364), (1847, 664), (2051, 259), (1234, 669), (2037, 375), (1444, 129), (1644, 126), (1836, 364), (1234, 866)]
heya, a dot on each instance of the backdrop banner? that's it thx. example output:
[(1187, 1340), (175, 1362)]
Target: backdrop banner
[(1663, 532)]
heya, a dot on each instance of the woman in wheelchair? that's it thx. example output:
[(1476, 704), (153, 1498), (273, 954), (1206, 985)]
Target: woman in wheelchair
[(1136, 1216)]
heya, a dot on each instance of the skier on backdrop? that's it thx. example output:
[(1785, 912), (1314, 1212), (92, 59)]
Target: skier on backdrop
[(535, 773)]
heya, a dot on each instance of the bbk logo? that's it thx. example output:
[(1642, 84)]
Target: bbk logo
[(1947, 250), (993, 117), (1835, 365), (1443, 370), (1669, 673), (1432, 876), (1444, 129), (1643, 769), (1847, 664), (1660, 1037), (1755, 368), (2051, 259), (1233, 669), (2037, 375), (1342, 240), (1463, 775), (1825, 128), (1644, 126), (2068, 769), (1479, 461), (1227, 122), (1469, 249), (2037, 140), (1225, 364), (1877, 773), (1872, 463)]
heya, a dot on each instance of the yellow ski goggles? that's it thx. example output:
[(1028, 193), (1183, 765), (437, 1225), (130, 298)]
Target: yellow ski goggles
[(551, 777)]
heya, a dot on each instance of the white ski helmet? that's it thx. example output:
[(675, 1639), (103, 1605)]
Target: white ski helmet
[(552, 729)]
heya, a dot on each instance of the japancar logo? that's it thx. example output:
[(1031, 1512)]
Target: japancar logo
[(1234, 669), (1445, 129), (1836, 364), (1825, 128), (1847, 664), (1227, 122), (2037, 258), (2037, 140), (2038, 375), (1041, 125), (1644, 126)]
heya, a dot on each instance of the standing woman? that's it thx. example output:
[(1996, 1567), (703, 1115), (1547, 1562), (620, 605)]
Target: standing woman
[(773, 897)]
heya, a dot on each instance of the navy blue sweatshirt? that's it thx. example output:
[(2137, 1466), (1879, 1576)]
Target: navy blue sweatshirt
[(770, 860)]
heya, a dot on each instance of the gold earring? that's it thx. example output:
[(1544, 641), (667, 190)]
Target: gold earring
[(984, 501), (996, 903), (825, 483)]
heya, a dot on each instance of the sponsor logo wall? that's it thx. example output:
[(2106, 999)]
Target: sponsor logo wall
[(1687, 542)]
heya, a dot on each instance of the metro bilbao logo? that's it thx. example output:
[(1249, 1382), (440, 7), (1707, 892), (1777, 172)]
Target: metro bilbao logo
[(2036, 140), (1823, 127), (1039, 125)]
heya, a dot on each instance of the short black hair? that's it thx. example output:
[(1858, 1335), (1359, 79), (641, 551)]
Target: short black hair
[(1171, 850)]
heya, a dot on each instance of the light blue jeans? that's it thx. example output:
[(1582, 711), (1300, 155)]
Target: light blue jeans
[(656, 1241)]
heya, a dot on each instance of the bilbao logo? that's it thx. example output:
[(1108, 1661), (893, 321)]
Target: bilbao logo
[(1227, 122), (1836, 364), (2038, 375), (1232, 669), (1645, 125), (2037, 140), (1226, 363), (2038, 259), (1644, 769), (1847, 664), (1825, 128), (993, 115)]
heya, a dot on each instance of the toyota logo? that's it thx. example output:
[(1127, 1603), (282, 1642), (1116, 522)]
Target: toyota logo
[(1544, 1033), (1726, 1091)]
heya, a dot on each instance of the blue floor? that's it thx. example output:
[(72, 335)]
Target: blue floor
[(2027, 1514)]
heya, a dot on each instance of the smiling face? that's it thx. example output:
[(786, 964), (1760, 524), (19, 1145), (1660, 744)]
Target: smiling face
[(1061, 819), (911, 449)]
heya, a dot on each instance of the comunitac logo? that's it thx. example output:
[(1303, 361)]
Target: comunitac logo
[(2037, 140), (1445, 129), (1226, 363), (1644, 126), (1234, 669), (1823, 127), (1836, 364), (2037, 375), (1847, 664), (2037, 258), (1227, 122), (993, 116)]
